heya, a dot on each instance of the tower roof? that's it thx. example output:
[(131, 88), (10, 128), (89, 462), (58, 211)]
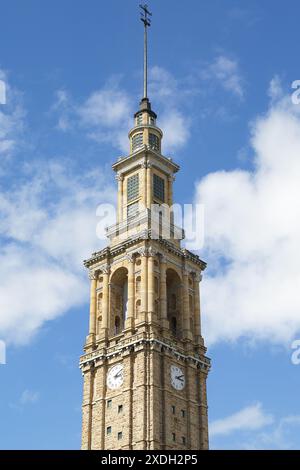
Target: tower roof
[(145, 105)]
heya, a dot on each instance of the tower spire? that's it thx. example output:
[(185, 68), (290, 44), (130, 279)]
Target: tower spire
[(145, 14)]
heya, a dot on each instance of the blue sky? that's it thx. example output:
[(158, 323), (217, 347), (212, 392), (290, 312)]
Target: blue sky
[(220, 81)]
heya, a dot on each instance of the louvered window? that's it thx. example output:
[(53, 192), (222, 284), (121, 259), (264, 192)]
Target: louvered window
[(132, 187), (158, 188), (132, 210), (153, 142), (137, 141), (139, 119)]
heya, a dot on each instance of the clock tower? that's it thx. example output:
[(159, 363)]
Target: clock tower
[(144, 363)]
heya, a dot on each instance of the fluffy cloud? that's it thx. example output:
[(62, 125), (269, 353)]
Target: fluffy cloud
[(104, 116), (170, 93), (250, 418), (282, 436), (176, 129), (107, 114), (253, 428), (226, 72), (252, 234), (29, 397), (48, 227), (11, 116)]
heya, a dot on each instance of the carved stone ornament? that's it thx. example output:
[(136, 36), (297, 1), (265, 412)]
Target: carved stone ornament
[(144, 164), (93, 275), (152, 251), (105, 269), (130, 257), (119, 177), (143, 251)]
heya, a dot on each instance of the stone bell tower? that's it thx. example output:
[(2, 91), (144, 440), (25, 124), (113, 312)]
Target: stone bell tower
[(144, 365)]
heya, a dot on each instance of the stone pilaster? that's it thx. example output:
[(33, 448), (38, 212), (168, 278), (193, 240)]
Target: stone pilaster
[(120, 179), (149, 185), (105, 302), (93, 309), (186, 308), (144, 285), (197, 320), (151, 290), (129, 322), (163, 293)]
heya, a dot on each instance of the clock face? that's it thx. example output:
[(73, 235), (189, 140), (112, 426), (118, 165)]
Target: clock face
[(177, 378), (115, 377)]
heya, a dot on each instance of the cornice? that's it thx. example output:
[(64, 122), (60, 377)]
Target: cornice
[(203, 363), (122, 247), (130, 161)]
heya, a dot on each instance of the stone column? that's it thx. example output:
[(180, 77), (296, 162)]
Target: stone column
[(197, 322), (120, 179), (171, 178), (186, 309), (144, 184), (149, 186), (105, 301), (170, 189), (144, 282), (88, 385), (151, 288), (131, 293), (163, 293), (93, 308)]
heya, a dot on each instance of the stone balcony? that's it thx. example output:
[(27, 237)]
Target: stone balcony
[(148, 223)]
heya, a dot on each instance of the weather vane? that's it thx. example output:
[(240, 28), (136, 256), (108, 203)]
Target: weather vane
[(145, 14)]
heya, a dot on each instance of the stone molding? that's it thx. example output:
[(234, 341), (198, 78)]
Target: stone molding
[(101, 356)]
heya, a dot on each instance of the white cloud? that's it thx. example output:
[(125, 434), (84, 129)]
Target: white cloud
[(107, 107), (226, 72), (176, 129), (170, 93), (250, 418), (64, 107), (252, 233), (252, 428), (29, 397), (11, 118), (48, 227), (163, 86), (275, 89), (106, 114), (282, 436)]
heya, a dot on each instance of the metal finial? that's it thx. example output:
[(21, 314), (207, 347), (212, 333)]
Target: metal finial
[(145, 14)]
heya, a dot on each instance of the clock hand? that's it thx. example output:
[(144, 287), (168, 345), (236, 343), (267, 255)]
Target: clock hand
[(180, 377)]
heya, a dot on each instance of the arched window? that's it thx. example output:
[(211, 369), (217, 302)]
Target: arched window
[(137, 141), (192, 325), (99, 304), (156, 285), (174, 302), (174, 325), (138, 307), (118, 296), (138, 284), (117, 326), (191, 302)]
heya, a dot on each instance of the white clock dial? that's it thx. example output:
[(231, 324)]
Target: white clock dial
[(115, 377), (177, 377)]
